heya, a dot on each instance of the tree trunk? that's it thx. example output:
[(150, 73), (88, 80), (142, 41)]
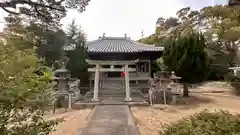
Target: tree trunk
[(185, 90)]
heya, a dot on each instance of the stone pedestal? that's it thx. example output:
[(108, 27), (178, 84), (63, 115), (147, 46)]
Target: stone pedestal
[(96, 84), (70, 101), (128, 96)]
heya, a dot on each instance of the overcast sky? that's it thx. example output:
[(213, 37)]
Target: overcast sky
[(117, 17)]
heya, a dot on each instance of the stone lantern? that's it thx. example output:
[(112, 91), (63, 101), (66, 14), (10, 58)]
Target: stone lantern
[(60, 78)]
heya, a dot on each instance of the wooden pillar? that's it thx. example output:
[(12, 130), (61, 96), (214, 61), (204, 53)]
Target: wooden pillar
[(100, 80), (149, 68), (145, 67), (128, 98), (90, 84), (69, 101), (96, 84), (137, 73), (235, 72)]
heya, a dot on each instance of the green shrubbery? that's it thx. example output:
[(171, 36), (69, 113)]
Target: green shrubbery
[(205, 123), (25, 88)]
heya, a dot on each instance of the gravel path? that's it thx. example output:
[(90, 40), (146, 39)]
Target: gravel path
[(73, 121), (111, 120)]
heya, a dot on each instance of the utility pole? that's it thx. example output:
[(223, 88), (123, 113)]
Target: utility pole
[(142, 34)]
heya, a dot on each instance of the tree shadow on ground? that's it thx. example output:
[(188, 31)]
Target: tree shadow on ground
[(194, 101), (191, 102)]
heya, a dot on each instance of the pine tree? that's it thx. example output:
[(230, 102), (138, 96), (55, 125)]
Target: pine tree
[(77, 64), (47, 42)]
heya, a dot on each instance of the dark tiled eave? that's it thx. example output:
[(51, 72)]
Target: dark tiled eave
[(233, 2)]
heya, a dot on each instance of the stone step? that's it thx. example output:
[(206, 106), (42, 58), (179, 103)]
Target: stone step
[(120, 96), (114, 100), (89, 104), (117, 97), (121, 99), (115, 88), (137, 99), (115, 94)]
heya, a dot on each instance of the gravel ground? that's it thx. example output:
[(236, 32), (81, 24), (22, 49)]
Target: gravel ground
[(74, 120), (150, 119)]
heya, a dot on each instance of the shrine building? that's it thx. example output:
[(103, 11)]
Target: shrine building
[(109, 57)]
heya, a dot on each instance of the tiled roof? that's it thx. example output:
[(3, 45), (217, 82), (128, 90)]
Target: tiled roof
[(117, 44), (69, 47), (234, 2)]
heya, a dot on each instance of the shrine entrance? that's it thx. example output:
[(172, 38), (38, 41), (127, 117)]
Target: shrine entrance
[(114, 74)]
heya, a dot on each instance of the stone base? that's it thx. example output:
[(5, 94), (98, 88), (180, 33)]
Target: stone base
[(128, 99), (95, 100)]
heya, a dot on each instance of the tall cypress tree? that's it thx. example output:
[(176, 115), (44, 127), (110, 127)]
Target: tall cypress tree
[(187, 57)]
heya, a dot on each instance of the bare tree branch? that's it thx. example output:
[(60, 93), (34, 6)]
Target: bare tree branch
[(14, 3), (11, 12), (57, 3), (49, 10), (40, 14)]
